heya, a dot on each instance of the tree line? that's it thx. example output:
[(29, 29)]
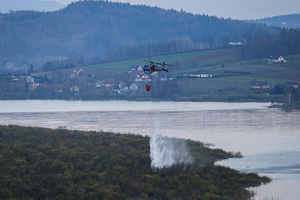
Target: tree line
[(262, 45)]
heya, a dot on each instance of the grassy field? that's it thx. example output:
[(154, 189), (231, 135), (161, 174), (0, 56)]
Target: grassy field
[(231, 79), (224, 64), (124, 65)]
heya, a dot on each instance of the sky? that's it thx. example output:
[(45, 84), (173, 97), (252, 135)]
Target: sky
[(234, 9)]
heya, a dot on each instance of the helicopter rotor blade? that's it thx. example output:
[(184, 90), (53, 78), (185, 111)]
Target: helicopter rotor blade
[(165, 64), (157, 63), (150, 60)]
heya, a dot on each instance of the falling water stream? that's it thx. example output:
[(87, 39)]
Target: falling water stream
[(166, 151)]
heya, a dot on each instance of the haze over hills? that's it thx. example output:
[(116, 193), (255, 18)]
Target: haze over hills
[(106, 30), (16, 5), (287, 21)]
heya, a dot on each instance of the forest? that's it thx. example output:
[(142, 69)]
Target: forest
[(41, 163), (286, 21), (262, 45), (103, 30)]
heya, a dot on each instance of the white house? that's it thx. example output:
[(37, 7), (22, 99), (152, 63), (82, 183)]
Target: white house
[(107, 84), (235, 43), (32, 86), (121, 85), (29, 79), (259, 85), (201, 74), (165, 77), (74, 88), (294, 85), (135, 68), (280, 59), (133, 87), (142, 78)]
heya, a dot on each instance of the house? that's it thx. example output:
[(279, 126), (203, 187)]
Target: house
[(74, 88), (135, 71), (122, 85), (29, 79), (76, 72), (57, 88), (135, 68), (32, 86), (38, 79), (108, 84), (9, 66), (145, 78), (164, 76), (235, 43), (98, 84), (199, 74), (142, 78), (105, 83), (121, 88), (259, 85), (133, 87), (279, 59), (294, 85)]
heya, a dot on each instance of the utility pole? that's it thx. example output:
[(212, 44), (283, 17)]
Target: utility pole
[(289, 99)]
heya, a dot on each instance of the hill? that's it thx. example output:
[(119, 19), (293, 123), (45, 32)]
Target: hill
[(15, 5), (104, 30), (286, 21)]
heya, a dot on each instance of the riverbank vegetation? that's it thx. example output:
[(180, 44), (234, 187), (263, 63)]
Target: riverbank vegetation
[(41, 163)]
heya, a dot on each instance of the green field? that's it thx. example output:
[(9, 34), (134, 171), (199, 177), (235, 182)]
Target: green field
[(231, 78), (220, 62), (123, 66)]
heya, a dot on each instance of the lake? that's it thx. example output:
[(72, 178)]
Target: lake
[(268, 138)]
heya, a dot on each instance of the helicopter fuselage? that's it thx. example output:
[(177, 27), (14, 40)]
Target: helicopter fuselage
[(154, 68)]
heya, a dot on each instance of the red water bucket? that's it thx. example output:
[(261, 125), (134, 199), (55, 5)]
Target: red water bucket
[(148, 87)]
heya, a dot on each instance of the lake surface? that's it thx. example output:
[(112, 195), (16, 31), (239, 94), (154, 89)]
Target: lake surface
[(268, 138)]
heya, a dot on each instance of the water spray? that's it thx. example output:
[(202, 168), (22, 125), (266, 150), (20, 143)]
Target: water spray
[(165, 152)]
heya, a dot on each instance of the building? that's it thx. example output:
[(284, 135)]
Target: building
[(76, 73), (105, 83), (134, 68), (57, 88), (259, 85), (294, 85), (279, 59), (199, 74), (74, 88), (32, 86), (164, 76), (133, 86), (142, 78)]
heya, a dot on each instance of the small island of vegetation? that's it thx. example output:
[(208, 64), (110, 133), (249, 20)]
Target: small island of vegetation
[(41, 163)]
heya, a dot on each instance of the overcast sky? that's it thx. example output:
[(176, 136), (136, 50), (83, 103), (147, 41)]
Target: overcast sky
[(235, 9)]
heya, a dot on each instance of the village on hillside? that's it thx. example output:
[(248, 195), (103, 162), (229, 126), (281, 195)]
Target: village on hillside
[(81, 82), (78, 80)]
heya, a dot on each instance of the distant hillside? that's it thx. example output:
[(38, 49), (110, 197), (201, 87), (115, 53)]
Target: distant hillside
[(14, 5), (105, 30), (287, 21)]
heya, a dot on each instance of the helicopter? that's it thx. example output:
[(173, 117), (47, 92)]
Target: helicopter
[(153, 67)]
